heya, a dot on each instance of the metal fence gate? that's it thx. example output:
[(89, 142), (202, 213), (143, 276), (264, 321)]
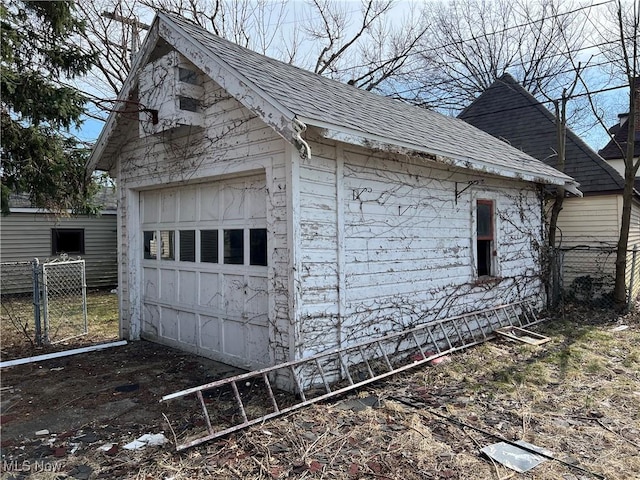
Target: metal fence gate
[(64, 299), (48, 301)]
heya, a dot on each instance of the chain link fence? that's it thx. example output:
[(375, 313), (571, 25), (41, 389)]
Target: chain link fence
[(586, 275), (46, 303)]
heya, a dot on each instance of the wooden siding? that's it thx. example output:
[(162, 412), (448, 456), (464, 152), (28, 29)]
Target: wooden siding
[(396, 249), (25, 236), (232, 143)]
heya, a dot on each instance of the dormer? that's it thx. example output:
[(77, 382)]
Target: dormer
[(171, 95)]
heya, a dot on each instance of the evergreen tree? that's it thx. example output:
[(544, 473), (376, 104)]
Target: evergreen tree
[(39, 156)]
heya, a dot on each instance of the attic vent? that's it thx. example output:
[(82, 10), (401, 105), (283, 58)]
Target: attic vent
[(189, 104), (187, 76)]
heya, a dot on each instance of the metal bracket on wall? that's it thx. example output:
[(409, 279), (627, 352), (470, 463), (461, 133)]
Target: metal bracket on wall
[(216, 409), (470, 183)]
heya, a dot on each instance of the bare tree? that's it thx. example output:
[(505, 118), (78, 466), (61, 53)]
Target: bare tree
[(366, 44), (474, 42), (620, 32)]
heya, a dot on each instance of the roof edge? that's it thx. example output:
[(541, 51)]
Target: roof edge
[(355, 137)]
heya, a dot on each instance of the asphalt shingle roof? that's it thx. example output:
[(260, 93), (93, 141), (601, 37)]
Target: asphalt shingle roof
[(313, 97), (507, 111)]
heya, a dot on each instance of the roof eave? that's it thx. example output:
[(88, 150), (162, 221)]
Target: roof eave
[(355, 137)]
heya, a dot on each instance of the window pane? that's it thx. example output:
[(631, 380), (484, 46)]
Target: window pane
[(187, 76), (67, 240), (234, 247), (209, 246), (485, 227), (189, 104), (258, 246), (167, 245), (150, 245), (187, 245), (484, 258)]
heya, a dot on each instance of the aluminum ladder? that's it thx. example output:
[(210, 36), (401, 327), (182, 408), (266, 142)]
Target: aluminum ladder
[(234, 403)]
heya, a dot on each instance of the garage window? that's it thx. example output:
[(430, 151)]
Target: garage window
[(167, 245), (485, 238), (150, 245), (234, 247), (258, 246), (187, 245), (209, 246)]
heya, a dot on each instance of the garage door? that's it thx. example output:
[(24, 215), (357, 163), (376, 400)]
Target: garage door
[(205, 269)]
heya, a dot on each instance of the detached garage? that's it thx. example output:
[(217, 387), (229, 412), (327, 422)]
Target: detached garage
[(267, 213)]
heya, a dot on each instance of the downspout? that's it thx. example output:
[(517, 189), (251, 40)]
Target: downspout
[(303, 147)]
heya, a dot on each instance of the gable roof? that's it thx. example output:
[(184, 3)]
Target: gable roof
[(508, 111), (618, 144), (289, 98)]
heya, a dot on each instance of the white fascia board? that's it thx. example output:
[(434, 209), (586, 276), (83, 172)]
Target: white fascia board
[(269, 110), (110, 125), (355, 137)]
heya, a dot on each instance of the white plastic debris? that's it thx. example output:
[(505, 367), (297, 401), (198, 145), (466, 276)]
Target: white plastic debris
[(619, 328), (106, 447), (147, 440), (41, 433)]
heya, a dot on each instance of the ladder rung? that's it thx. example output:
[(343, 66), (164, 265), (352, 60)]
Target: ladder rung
[(205, 412), (270, 391), (239, 401), (324, 379)]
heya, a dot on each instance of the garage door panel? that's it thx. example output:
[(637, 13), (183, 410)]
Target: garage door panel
[(233, 289), (258, 339), (168, 323), (255, 195), (209, 202), (234, 338), (151, 319), (168, 206), (210, 333), (210, 293), (188, 205), (257, 299), (150, 210), (188, 287), (168, 285), (150, 287), (233, 198), (188, 328)]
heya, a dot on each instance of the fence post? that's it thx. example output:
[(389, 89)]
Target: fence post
[(634, 257), (36, 301)]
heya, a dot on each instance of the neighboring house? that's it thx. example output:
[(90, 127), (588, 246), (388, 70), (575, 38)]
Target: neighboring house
[(507, 111), (617, 147), (267, 213), (28, 233)]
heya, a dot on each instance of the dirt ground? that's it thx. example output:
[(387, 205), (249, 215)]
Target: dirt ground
[(577, 396)]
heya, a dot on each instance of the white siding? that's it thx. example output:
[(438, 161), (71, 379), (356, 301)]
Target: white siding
[(592, 220), (232, 143), (408, 255)]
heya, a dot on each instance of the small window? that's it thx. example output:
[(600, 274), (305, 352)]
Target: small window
[(187, 245), (485, 238), (67, 240), (258, 246), (187, 76), (209, 246), (167, 245), (189, 104), (150, 245), (234, 247)]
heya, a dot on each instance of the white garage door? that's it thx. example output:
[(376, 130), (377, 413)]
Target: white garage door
[(205, 269)]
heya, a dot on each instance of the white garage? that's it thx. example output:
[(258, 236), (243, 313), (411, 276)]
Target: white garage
[(204, 269)]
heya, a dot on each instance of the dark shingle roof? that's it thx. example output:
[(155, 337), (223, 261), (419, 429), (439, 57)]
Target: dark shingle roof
[(618, 144), (507, 111)]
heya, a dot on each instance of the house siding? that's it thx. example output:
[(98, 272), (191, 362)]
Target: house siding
[(233, 143), (591, 220), (396, 251), (25, 236)]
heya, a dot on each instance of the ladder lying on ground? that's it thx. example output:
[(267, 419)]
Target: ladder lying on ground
[(233, 403)]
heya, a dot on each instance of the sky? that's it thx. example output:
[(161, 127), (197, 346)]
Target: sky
[(298, 12)]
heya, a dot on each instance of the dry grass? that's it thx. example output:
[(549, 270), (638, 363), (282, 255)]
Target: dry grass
[(578, 396), (17, 333)]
